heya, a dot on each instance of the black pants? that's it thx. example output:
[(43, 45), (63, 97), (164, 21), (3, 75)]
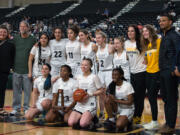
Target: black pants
[(3, 82), (138, 82), (169, 93), (153, 86)]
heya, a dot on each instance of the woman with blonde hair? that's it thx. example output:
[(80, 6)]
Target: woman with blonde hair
[(151, 45)]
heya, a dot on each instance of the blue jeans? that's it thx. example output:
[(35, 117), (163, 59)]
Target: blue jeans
[(21, 81)]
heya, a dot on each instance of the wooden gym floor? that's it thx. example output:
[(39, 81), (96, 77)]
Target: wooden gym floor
[(21, 127)]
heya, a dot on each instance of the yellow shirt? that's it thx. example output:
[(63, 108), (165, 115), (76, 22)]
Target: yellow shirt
[(152, 58)]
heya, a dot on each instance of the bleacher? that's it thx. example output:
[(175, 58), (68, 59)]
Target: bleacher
[(145, 12)]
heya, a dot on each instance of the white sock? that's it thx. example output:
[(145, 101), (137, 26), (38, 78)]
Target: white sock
[(112, 119)]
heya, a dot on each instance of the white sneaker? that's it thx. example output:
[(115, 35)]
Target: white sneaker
[(152, 125), (14, 112)]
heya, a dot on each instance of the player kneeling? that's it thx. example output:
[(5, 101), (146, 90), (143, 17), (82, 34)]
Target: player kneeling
[(42, 93), (85, 109), (64, 86), (119, 101)]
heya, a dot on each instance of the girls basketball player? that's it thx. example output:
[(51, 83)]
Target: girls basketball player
[(85, 110), (105, 64), (58, 50), (151, 46), (73, 50), (120, 57), (119, 101), (42, 93), (62, 103), (137, 70), (88, 48), (41, 55)]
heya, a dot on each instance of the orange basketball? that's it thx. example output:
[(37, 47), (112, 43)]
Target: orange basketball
[(79, 94)]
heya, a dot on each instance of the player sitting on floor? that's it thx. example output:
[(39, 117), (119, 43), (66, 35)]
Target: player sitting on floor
[(119, 101), (62, 105), (85, 110), (42, 93)]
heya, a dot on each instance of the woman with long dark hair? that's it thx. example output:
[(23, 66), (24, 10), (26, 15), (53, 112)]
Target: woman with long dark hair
[(58, 50), (42, 93), (41, 55), (137, 70)]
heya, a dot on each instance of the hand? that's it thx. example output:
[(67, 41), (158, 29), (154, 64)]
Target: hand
[(60, 91), (112, 97), (53, 80), (94, 47), (176, 72), (85, 98), (30, 76), (111, 49), (33, 106), (36, 44), (67, 109)]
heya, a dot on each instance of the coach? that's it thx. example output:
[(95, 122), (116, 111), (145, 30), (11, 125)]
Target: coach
[(169, 64)]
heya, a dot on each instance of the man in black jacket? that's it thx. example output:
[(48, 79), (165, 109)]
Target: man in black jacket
[(169, 64)]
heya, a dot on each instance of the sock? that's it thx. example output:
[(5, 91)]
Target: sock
[(112, 119)]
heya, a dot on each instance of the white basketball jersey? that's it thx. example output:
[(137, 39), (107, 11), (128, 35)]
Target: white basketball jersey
[(45, 57), (68, 88), (39, 84), (90, 84), (73, 52), (104, 59), (122, 93), (58, 50), (123, 62)]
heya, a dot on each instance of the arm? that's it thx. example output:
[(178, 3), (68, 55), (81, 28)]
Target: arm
[(30, 61), (129, 101), (70, 107), (35, 97)]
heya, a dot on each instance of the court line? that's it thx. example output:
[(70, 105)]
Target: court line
[(12, 132)]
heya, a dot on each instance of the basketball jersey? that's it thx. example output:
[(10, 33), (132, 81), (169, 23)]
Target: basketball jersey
[(87, 52), (135, 58), (68, 88), (104, 59), (90, 84), (123, 62), (73, 52), (39, 84), (122, 93), (58, 50), (45, 57)]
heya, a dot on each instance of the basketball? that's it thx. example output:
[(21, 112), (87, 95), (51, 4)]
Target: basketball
[(79, 94)]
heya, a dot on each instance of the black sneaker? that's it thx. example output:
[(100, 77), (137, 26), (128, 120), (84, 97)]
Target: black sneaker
[(109, 124)]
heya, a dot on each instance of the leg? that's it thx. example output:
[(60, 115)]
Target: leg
[(46, 104), (121, 122), (27, 85), (139, 84), (152, 81), (66, 116), (3, 82), (171, 90), (74, 118), (111, 107), (86, 119), (31, 113), (17, 93)]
